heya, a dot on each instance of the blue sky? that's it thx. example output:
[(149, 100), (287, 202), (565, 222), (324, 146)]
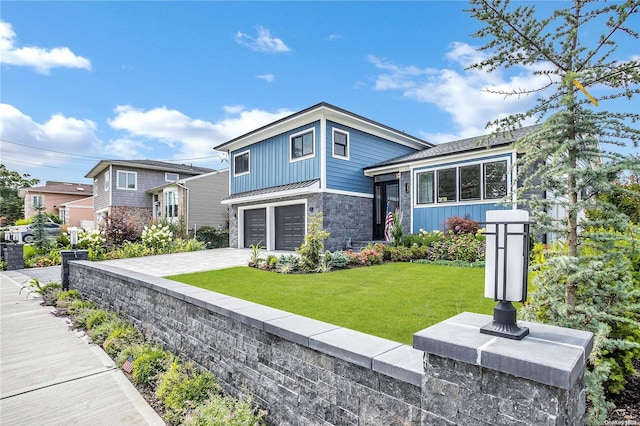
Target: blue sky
[(84, 81)]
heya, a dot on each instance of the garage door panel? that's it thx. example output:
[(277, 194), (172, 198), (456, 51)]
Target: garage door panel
[(290, 226), (255, 226)]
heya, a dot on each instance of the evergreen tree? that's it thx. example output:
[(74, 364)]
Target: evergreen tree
[(585, 281), (11, 205)]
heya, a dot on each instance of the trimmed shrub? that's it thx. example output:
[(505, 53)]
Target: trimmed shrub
[(461, 225), (149, 364), (400, 254), (222, 410), (213, 238), (121, 337)]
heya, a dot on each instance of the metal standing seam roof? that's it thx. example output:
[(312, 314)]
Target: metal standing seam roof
[(460, 146), (273, 189)]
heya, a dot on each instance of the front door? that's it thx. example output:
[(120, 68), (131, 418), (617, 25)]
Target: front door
[(386, 189)]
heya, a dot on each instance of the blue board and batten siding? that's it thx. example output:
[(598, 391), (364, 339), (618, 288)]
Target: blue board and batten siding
[(432, 216), (364, 150), (270, 165)]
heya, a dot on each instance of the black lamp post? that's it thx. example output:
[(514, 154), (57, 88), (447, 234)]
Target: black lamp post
[(506, 270)]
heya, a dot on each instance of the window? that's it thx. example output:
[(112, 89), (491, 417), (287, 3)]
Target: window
[(241, 163), (340, 144), (495, 179), (302, 145), (447, 185), (37, 201), (106, 180), (425, 188), (171, 177), (171, 204), (469, 182), (126, 180)]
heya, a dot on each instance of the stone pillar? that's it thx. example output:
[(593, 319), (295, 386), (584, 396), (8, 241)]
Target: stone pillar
[(68, 255), (14, 256), (2, 247), (474, 378)]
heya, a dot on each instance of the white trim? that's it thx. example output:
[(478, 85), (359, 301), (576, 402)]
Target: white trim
[(323, 152), (333, 144), (107, 180), (248, 152), (270, 222), (270, 195), (183, 180), (353, 194), (171, 180), (135, 187), (311, 130), (110, 187)]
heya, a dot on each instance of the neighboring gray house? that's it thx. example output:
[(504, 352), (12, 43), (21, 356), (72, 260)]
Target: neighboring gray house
[(125, 184), (198, 199)]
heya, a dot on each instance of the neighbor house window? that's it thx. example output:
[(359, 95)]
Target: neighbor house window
[(106, 180), (425, 188), (170, 204), (126, 180), (37, 201), (171, 177), (241, 163), (447, 185), (495, 179), (302, 145), (340, 144), (469, 182)]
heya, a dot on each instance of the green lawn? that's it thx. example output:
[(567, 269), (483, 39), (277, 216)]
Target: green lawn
[(393, 300)]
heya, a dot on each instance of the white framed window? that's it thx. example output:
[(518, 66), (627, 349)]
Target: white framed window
[(127, 180), (171, 177), (170, 201), (107, 181), (37, 200), (242, 163), (340, 144), (302, 145), (466, 182)]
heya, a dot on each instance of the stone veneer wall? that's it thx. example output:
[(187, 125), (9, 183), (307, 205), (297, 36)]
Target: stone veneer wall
[(306, 372)]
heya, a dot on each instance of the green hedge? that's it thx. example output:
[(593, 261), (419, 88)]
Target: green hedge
[(212, 237)]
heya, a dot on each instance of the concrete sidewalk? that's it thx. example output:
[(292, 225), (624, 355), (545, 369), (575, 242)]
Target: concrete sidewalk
[(50, 375)]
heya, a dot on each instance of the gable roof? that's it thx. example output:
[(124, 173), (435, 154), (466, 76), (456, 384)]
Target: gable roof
[(148, 164), (62, 188), (315, 112), (475, 143)]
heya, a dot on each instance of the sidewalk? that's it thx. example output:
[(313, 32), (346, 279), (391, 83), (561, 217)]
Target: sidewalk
[(50, 375)]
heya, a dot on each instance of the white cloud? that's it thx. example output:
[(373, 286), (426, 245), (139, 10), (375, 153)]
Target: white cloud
[(263, 42), (269, 78), (464, 95), (189, 137), (41, 59), (25, 141), (127, 149), (334, 37)]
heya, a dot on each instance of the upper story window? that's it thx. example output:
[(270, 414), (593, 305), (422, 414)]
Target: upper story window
[(127, 180), (171, 177), (481, 181), (37, 201), (302, 145), (241, 163), (340, 144), (106, 180)]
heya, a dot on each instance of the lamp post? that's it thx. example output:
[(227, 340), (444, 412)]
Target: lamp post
[(73, 237), (8, 236), (506, 270), (15, 235)]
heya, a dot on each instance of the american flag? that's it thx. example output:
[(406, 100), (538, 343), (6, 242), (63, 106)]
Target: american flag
[(128, 365), (388, 223)]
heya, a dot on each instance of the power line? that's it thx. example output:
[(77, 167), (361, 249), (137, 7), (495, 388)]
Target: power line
[(34, 164)]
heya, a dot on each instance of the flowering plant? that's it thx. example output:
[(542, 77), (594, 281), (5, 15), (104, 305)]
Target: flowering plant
[(93, 239), (157, 236)]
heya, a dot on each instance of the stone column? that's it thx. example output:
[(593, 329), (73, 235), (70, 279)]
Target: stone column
[(474, 378), (68, 255), (2, 247), (14, 256)]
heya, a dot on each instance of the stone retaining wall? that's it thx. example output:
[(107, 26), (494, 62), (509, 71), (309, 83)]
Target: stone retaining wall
[(307, 372)]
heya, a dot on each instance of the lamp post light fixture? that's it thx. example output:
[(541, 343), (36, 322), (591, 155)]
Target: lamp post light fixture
[(73, 237), (15, 235), (8, 236), (506, 269)]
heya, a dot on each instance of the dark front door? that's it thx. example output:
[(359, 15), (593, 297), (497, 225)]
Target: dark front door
[(290, 226), (255, 227), (386, 190)]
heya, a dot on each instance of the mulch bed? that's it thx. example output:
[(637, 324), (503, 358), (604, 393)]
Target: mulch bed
[(627, 411)]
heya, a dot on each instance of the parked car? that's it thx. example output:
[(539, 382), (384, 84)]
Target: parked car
[(27, 233)]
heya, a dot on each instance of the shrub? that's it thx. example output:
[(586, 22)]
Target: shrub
[(149, 364), (130, 249), (422, 238), (78, 305), (213, 238), (287, 263), (120, 337), (255, 260), (419, 252), (461, 225), (65, 298), (48, 292), (400, 254), (157, 237), (463, 247), (191, 245), (339, 259), (222, 410), (313, 244), (370, 255), (93, 240), (119, 226)]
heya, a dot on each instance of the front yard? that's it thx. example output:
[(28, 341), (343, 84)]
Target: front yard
[(392, 300)]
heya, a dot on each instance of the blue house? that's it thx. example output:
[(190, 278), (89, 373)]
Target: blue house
[(326, 159)]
